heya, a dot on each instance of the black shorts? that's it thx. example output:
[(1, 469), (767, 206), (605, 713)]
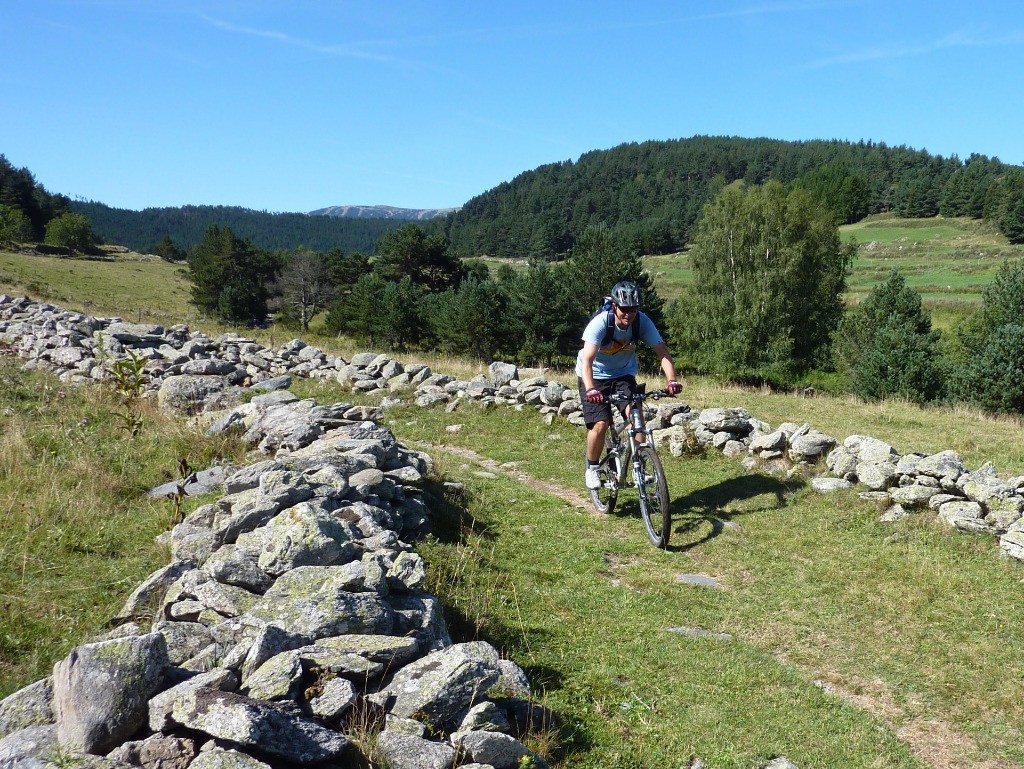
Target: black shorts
[(602, 412)]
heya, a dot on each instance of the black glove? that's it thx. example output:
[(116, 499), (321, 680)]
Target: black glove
[(674, 388), (594, 396)]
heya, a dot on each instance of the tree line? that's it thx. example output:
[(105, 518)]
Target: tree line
[(765, 304), (186, 226), (25, 205), (652, 193), (416, 293)]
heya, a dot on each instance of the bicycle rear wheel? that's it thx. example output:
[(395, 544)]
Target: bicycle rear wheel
[(605, 495), (653, 489)]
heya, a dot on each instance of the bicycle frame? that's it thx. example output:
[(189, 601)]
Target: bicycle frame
[(635, 425)]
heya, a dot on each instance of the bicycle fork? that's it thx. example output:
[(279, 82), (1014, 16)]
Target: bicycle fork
[(619, 455)]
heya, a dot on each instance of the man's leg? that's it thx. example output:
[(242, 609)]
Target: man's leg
[(597, 418), (595, 441)]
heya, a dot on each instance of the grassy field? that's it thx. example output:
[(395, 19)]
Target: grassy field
[(135, 287), (76, 528), (948, 261)]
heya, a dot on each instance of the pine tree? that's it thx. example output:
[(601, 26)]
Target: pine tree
[(229, 276), (426, 260), (887, 346), (988, 358), (599, 260), (1010, 218)]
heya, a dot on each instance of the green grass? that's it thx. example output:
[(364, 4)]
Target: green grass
[(949, 261), (671, 273), (817, 591), (76, 527), (126, 285)]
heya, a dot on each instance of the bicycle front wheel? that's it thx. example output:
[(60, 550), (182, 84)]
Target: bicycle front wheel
[(653, 489), (605, 495)]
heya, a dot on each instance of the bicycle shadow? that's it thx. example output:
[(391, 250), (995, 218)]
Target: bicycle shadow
[(714, 507)]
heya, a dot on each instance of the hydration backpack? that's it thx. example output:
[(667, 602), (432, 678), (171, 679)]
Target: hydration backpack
[(609, 323)]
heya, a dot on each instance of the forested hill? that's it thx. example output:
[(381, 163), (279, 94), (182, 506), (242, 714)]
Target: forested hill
[(653, 191), (141, 230)]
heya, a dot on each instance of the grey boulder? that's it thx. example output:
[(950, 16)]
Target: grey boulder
[(101, 691)]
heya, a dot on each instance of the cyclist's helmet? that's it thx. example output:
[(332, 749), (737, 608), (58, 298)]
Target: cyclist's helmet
[(626, 294)]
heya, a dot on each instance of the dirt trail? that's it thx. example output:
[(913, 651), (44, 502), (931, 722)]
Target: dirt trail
[(940, 744), (511, 469)]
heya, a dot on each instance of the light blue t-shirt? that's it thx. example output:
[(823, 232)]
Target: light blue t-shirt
[(618, 357)]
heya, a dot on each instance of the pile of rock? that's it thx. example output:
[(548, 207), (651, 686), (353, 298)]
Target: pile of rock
[(191, 370), (973, 502), (367, 372), (504, 384), (293, 610)]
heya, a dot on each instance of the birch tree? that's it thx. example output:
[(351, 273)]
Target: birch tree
[(766, 297)]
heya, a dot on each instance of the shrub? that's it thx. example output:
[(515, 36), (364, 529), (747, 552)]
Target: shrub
[(887, 346)]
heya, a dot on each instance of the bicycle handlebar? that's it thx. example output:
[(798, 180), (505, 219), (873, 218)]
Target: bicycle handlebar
[(654, 394)]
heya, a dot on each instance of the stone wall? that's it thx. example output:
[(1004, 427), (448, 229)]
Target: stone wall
[(293, 613)]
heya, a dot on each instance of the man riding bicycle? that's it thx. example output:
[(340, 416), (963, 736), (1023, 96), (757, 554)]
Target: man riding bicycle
[(607, 365)]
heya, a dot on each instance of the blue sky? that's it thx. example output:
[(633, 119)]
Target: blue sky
[(299, 104)]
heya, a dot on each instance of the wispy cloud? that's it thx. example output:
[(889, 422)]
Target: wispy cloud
[(954, 40), (360, 50), (765, 9), (629, 20)]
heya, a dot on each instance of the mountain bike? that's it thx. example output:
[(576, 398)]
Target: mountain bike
[(623, 453)]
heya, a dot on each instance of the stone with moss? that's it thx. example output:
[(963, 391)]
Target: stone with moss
[(30, 706), (317, 614), (440, 687), (501, 751), (160, 706), (254, 724), (279, 678), (409, 751), (102, 690), (305, 535)]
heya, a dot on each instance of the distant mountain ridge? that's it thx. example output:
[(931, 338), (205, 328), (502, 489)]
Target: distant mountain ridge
[(382, 212)]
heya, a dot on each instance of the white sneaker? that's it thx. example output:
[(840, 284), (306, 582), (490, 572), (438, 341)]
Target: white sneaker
[(592, 478)]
